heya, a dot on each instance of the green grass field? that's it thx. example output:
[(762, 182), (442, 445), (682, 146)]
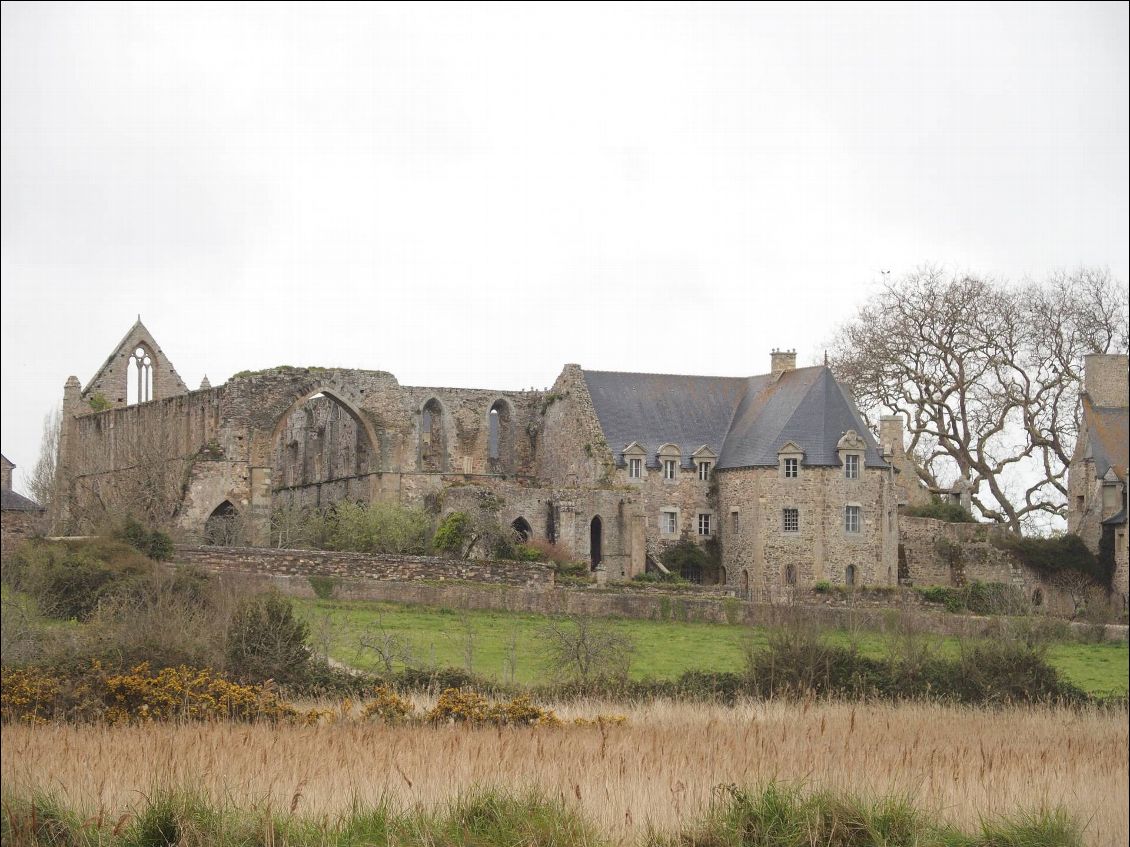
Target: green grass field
[(493, 641)]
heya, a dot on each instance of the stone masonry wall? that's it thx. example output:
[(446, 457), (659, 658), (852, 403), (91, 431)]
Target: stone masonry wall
[(353, 566)]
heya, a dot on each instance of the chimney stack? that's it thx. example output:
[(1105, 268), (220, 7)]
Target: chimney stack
[(1104, 379), (781, 361)]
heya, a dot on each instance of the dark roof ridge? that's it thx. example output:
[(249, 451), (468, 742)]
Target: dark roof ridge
[(696, 376)]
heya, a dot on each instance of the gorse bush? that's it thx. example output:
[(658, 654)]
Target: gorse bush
[(35, 695)]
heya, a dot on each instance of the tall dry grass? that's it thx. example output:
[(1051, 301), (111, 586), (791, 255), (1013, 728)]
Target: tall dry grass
[(656, 772)]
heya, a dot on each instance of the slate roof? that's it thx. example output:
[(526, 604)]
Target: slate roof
[(1108, 429), (10, 501), (745, 420), (656, 409)]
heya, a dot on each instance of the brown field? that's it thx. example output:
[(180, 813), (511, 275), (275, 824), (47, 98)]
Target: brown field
[(657, 771)]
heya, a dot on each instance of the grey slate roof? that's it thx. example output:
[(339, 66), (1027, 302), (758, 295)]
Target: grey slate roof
[(656, 409), (10, 501), (745, 420), (1108, 428)]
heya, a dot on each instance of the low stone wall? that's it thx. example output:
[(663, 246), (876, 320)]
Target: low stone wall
[(359, 566), (652, 605)]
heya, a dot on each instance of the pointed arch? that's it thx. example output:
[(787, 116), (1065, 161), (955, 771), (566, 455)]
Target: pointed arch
[(432, 447), (314, 442), (500, 436), (224, 526), (596, 541), (522, 529)]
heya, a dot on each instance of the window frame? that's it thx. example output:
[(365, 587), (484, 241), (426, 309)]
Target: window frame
[(853, 464), (705, 468), (791, 467), (853, 511), (790, 512), (670, 470), (635, 467), (666, 528), (705, 521)]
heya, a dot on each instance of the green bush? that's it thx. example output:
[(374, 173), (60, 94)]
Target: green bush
[(941, 510), (1059, 553), (686, 558), (152, 542), (453, 535), (324, 586), (378, 528), (266, 641)]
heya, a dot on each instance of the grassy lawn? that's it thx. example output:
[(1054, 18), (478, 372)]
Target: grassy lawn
[(664, 649)]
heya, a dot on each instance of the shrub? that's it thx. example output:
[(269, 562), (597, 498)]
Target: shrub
[(388, 707), (324, 586), (942, 510), (152, 542), (266, 641), (689, 560), (1059, 553), (453, 534), (547, 551), (378, 528)]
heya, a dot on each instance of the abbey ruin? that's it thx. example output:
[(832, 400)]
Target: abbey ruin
[(779, 471)]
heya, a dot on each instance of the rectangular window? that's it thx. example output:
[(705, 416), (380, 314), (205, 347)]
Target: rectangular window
[(792, 468), (703, 524), (790, 521), (735, 522), (853, 518), (669, 468), (669, 522), (704, 470), (851, 466), (635, 468)]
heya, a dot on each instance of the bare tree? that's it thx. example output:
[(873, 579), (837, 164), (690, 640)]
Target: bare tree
[(43, 481), (389, 646), (584, 648), (987, 376)]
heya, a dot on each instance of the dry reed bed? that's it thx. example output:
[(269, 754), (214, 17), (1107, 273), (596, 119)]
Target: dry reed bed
[(658, 771)]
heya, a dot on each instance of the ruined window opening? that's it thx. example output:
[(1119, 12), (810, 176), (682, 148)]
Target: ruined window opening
[(522, 530), (849, 575), (596, 541), (735, 522), (790, 521), (493, 433), (139, 377), (221, 529), (433, 446)]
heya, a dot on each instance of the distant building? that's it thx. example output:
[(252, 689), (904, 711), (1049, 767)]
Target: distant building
[(1097, 476), (20, 518)]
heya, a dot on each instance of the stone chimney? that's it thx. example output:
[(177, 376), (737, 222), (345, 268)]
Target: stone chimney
[(7, 473), (205, 384), (781, 361), (1105, 379), (891, 436)]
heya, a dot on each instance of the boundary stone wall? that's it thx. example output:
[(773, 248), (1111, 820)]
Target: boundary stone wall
[(353, 566)]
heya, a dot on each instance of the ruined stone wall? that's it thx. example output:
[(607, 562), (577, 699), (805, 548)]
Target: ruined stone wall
[(759, 556), (571, 446), (305, 563), (16, 527)]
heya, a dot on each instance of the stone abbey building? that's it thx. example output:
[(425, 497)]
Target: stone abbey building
[(778, 469), (777, 472)]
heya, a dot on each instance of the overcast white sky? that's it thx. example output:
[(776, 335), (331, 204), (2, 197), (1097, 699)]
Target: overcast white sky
[(476, 195)]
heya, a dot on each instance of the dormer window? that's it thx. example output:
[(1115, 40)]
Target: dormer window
[(850, 448), (704, 459), (634, 456), (789, 458), (669, 461)]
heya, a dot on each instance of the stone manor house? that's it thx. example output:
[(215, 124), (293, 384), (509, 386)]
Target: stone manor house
[(778, 469)]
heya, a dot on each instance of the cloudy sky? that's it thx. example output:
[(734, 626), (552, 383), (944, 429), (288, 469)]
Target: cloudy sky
[(474, 195)]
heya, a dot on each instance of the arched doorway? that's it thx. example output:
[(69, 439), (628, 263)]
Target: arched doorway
[(522, 530), (596, 541), (849, 576), (223, 527)]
